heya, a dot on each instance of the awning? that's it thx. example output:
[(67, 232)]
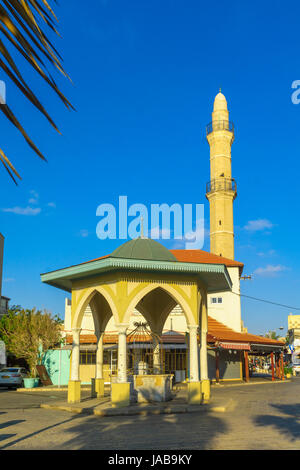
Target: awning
[(240, 346), (265, 347)]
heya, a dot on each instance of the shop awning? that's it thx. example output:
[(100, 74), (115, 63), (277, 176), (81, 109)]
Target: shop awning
[(240, 346)]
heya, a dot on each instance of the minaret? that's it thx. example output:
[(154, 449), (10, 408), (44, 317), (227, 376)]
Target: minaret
[(221, 190)]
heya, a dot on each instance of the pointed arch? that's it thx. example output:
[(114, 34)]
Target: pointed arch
[(87, 299), (177, 297)]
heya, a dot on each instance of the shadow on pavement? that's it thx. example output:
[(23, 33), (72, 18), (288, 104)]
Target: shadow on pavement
[(169, 431), (40, 431), (11, 423), (289, 425), (6, 436)]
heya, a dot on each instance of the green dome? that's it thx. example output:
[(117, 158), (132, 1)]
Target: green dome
[(143, 248)]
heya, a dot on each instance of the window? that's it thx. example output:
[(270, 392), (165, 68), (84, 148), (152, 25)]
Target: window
[(87, 357), (216, 300)]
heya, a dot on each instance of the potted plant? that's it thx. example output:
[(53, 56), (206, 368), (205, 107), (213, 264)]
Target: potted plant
[(31, 381)]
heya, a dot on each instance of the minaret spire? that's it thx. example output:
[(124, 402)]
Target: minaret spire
[(221, 190)]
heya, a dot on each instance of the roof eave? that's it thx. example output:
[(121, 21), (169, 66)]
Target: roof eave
[(63, 278)]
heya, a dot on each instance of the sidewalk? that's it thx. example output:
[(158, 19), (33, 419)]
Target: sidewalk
[(220, 402), (255, 380), (102, 406)]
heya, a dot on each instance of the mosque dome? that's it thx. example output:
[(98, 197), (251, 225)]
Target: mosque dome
[(143, 248), (220, 103)]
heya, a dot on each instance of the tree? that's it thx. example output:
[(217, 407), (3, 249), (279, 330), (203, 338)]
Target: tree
[(29, 334), (272, 335), (21, 29)]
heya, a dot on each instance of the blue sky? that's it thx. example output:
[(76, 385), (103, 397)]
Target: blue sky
[(144, 79)]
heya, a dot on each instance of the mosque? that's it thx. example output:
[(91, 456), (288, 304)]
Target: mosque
[(144, 317)]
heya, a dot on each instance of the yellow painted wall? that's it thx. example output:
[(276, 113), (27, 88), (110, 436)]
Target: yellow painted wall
[(124, 291)]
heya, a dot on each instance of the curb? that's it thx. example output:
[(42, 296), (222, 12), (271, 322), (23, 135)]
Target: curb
[(245, 384), (47, 389), (175, 409), (88, 388)]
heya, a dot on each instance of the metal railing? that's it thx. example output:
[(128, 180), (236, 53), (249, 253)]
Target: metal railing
[(221, 184), (220, 126)]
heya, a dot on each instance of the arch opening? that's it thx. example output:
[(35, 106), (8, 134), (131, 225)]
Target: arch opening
[(100, 305), (169, 351)]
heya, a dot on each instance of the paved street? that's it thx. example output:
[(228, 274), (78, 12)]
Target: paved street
[(262, 417)]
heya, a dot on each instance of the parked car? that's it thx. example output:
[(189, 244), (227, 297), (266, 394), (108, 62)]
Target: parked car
[(12, 377)]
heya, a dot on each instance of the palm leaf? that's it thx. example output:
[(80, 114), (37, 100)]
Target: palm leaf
[(22, 33)]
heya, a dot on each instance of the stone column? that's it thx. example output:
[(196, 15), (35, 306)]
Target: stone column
[(74, 382), (99, 356), (194, 364), (205, 383), (156, 356), (194, 385), (75, 354), (120, 391), (203, 354), (98, 382), (122, 354)]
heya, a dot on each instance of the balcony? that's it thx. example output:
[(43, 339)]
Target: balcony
[(220, 126), (221, 184)]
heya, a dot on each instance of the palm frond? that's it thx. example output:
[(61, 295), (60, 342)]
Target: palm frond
[(22, 24)]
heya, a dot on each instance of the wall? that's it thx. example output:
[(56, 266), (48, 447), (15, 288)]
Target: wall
[(88, 371), (229, 311), (57, 364), (293, 321), (229, 365)]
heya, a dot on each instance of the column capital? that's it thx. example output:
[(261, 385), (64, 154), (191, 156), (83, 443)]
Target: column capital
[(76, 330), (193, 327), (122, 327), (100, 333)]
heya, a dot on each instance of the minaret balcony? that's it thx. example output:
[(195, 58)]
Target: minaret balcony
[(221, 125), (221, 184)]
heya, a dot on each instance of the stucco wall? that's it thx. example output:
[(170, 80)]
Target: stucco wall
[(57, 364), (229, 311), (229, 365)]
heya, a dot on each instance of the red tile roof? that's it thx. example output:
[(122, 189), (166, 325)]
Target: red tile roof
[(217, 331), (112, 338), (200, 256)]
